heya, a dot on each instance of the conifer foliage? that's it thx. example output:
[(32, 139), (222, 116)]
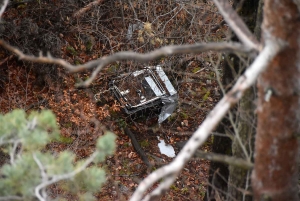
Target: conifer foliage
[(30, 169)]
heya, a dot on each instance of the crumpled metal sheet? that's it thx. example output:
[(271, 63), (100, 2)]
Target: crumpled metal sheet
[(169, 107), (170, 102)]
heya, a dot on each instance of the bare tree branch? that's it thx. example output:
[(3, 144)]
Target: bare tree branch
[(230, 160), (237, 24), (224, 159), (11, 197), (3, 7), (44, 177), (121, 56), (170, 172), (86, 8)]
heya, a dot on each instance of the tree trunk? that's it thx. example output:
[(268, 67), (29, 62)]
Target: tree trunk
[(275, 170)]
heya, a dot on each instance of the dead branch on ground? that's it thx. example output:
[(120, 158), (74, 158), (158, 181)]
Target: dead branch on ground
[(137, 147)]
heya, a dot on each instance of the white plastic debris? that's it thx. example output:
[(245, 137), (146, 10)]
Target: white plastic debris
[(166, 149)]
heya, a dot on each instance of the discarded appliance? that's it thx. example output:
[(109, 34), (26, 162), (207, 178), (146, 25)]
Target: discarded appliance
[(143, 89)]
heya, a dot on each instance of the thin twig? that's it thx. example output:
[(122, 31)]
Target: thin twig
[(238, 162), (13, 152), (230, 160), (3, 7), (87, 8), (134, 13), (237, 24), (122, 13), (57, 178)]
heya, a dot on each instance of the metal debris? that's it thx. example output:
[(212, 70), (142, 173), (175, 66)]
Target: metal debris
[(146, 88)]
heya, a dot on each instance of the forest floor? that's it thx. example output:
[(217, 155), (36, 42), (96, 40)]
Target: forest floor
[(82, 118)]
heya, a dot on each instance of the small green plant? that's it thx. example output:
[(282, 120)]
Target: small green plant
[(89, 45), (202, 194), (184, 115), (113, 114), (206, 95), (173, 187), (144, 143), (184, 190), (68, 124), (201, 190), (71, 50), (66, 140), (31, 168), (77, 62), (172, 117), (85, 78), (127, 144), (113, 68), (195, 70), (122, 123)]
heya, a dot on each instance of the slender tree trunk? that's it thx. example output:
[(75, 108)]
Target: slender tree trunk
[(230, 180), (275, 172), (218, 172), (239, 178)]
